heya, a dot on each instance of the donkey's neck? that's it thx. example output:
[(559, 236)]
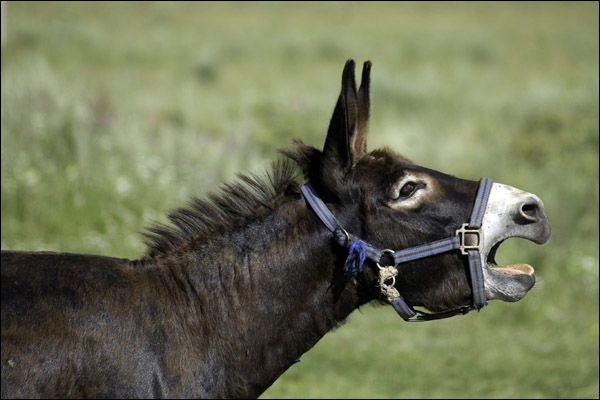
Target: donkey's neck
[(266, 292)]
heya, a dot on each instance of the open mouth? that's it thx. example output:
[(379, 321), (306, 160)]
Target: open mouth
[(512, 269), (506, 282)]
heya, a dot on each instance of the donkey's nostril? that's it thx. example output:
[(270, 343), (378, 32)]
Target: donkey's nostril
[(529, 211)]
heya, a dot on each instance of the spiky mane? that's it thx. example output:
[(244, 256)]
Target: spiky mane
[(231, 206)]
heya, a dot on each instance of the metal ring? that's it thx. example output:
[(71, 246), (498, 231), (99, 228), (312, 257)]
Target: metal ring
[(386, 286), (391, 252), (346, 234)]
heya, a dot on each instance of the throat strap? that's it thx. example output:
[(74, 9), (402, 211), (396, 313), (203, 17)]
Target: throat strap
[(467, 239)]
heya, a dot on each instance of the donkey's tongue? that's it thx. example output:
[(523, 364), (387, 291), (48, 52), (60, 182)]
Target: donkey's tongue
[(514, 269)]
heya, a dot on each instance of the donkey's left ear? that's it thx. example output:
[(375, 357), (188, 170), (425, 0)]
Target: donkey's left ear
[(346, 139)]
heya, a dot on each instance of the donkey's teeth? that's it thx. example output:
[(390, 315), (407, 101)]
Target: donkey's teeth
[(514, 269)]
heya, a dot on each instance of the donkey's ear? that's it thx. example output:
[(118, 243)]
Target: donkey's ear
[(346, 136), (364, 105)]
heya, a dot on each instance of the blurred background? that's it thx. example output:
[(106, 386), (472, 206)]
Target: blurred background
[(113, 114)]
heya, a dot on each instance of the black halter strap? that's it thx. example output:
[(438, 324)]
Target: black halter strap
[(467, 239)]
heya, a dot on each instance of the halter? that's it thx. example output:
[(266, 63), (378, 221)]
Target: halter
[(467, 239)]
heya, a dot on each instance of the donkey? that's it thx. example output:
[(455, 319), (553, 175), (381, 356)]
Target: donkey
[(241, 285)]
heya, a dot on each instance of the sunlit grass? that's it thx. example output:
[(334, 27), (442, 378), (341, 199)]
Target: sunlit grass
[(114, 114)]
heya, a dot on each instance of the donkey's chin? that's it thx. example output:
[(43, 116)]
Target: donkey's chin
[(508, 283)]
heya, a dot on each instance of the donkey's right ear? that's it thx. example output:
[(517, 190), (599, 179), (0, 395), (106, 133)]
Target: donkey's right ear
[(346, 136)]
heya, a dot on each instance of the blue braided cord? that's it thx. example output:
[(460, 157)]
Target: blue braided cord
[(483, 194), (344, 238), (402, 308), (356, 257), (426, 250)]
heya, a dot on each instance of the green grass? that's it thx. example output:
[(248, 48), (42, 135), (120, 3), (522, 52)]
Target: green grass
[(114, 114)]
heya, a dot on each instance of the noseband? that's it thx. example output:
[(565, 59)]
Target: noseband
[(467, 240)]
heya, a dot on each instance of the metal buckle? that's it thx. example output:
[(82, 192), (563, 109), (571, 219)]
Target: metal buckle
[(463, 232)]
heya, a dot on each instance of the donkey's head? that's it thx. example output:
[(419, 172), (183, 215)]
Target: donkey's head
[(391, 203)]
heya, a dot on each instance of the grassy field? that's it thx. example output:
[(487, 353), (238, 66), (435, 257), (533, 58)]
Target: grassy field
[(112, 114)]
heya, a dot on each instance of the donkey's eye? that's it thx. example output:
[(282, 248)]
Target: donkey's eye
[(408, 189)]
